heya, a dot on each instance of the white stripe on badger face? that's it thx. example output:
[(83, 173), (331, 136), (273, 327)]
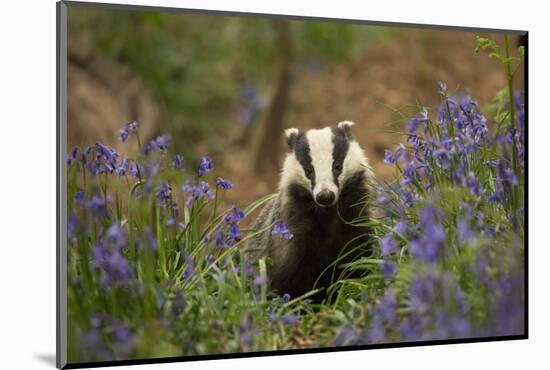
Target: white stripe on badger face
[(320, 150)]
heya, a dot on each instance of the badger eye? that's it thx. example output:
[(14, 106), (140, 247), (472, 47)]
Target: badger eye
[(338, 167), (309, 171)]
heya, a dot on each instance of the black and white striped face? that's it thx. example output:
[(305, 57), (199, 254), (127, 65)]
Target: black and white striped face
[(321, 161)]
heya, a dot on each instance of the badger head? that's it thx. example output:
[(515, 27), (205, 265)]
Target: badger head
[(321, 161)]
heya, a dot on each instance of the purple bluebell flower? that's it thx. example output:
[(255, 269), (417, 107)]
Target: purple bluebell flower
[(389, 157), (178, 303), (79, 197), (224, 184), (410, 328), (97, 206), (286, 297), (71, 157), (122, 169), (233, 216), (127, 129), (200, 191), (429, 246), (290, 319), (259, 280), (111, 156), (389, 245), (73, 225), (178, 162), (118, 235), (164, 192), (205, 166), (473, 184), (401, 227), (414, 123), (235, 233), (280, 229), (388, 269), (115, 269), (123, 340), (188, 188), (409, 198), (465, 232), (158, 144), (189, 266)]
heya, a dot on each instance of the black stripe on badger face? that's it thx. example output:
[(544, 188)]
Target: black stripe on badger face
[(341, 145), (303, 155)]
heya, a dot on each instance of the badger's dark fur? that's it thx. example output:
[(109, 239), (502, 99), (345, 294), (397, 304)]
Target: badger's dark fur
[(321, 233)]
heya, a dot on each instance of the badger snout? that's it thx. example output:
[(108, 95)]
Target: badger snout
[(325, 198)]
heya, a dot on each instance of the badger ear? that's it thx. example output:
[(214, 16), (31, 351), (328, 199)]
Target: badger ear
[(345, 126), (291, 135)]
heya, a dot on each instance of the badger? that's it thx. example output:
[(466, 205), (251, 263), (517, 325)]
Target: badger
[(325, 185)]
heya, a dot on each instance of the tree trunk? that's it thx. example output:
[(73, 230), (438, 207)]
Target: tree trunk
[(268, 140)]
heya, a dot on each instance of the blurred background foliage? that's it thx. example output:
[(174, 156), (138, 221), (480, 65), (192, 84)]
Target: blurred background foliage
[(200, 68), (226, 86)]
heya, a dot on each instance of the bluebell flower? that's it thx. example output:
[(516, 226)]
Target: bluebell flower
[(97, 206), (465, 233), (401, 227), (409, 198), (109, 154), (235, 233), (429, 246), (224, 184), (286, 297), (123, 340), (259, 280), (200, 191), (188, 188), (164, 192), (79, 197), (233, 216), (388, 269), (389, 157), (178, 162), (122, 169), (389, 245), (178, 303), (73, 225), (205, 166), (158, 144), (280, 229), (127, 129), (413, 124), (272, 316), (290, 319), (71, 157), (115, 269), (118, 235), (189, 266), (473, 185)]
